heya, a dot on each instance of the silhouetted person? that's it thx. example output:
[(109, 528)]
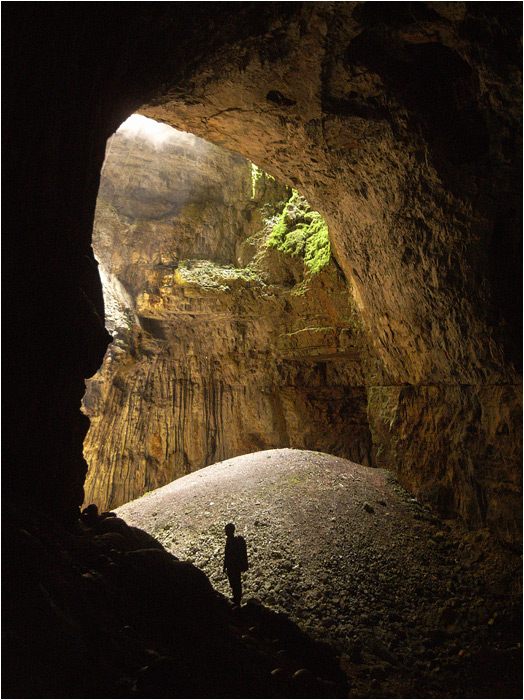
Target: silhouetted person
[(235, 561)]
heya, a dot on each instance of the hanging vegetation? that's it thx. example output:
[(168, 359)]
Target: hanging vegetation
[(302, 231)]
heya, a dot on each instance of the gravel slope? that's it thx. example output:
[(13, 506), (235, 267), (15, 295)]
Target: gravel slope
[(414, 606)]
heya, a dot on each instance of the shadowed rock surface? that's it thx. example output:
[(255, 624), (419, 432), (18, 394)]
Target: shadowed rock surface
[(107, 612), (385, 120), (414, 606), (400, 122)]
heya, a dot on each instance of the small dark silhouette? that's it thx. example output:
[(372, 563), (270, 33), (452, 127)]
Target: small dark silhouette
[(91, 517), (235, 561)]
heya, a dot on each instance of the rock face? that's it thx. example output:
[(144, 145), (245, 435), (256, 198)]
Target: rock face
[(387, 126), (224, 345), (400, 122), (405, 133)]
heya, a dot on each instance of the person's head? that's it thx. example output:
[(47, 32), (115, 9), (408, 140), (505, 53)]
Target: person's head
[(230, 529)]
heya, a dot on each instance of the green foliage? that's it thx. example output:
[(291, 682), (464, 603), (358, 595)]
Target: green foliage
[(302, 231), (210, 275), (314, 329), (257, 175)]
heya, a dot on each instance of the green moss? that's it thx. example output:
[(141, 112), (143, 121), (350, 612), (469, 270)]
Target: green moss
[(210, 275), (303, 232), (257, 175), (314, 329)]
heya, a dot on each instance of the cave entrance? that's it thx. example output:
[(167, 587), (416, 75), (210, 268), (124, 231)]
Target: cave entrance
[(233, 328)]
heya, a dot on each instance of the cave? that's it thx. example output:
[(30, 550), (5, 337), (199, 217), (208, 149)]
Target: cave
[(233, 328), (401, 124)]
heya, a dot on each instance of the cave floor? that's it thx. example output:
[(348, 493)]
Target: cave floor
[(414, 606), (354, 590)]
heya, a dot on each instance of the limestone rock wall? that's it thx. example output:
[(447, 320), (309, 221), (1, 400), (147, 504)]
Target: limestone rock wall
[(454, 445), (401, 126), (211, 359), (400, 122)]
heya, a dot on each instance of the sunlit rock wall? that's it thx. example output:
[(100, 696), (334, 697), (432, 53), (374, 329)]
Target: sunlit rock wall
[(400, 122), (223, 346)]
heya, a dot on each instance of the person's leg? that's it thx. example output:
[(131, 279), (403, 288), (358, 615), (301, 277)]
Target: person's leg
[(239, 588), (235, 581)]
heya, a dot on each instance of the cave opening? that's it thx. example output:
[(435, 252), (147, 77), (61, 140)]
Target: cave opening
[(234, 328), (401, 122)]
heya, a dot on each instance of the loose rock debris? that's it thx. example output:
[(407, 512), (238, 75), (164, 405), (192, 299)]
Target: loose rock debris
[(411, 604)]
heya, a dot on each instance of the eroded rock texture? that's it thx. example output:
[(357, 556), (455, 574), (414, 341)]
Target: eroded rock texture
[(224, 346), (398, 124), (405, 133)]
